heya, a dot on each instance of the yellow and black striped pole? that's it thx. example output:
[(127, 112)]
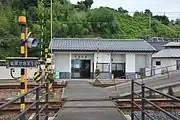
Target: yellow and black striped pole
[(23, 50), (37, 76), (48, 72), (46, 65), (97, 72), (49, 63)]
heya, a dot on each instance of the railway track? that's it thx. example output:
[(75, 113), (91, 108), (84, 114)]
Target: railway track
[(163, 103), (123, 104), (16, 86), (15, 107)]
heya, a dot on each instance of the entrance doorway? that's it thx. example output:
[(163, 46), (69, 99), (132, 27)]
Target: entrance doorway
[(80, 69), (118, 69)]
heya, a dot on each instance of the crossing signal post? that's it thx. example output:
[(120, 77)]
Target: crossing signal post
[(25, 42), (23, 50)]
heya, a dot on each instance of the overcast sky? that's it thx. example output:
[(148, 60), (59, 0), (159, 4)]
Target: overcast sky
[(156, 6)]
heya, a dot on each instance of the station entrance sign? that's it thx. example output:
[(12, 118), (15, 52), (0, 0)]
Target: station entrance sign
[(22, 62)]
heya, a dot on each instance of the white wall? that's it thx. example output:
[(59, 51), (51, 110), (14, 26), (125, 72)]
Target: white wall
[(142, 61), (62, 62), (118, 58), (5, 73), (171, 62), (130, 63), (103, 57)]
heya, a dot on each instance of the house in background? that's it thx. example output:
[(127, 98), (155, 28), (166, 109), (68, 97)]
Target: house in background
[(169, 56), (76, 58)]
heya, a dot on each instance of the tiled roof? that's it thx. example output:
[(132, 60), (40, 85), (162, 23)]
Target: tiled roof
[(157, 45), (90, 44), (172, 44), (167, 53)]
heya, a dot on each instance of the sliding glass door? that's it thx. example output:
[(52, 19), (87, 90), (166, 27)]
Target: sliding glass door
[(80, 68)]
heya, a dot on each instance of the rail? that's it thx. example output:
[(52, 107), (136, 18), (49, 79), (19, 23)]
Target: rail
[(145, 101), (39, 107)]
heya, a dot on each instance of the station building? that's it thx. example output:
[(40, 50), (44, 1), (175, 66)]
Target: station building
[(168, 57), (77, 58)]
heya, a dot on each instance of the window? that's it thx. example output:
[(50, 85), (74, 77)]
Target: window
[(158, 62), (103, 67), (118, 66)]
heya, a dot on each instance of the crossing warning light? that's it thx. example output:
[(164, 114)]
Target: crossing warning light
[(22, 19)]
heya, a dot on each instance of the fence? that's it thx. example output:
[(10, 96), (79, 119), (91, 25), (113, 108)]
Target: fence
[(145, 101), (167, 70), (36, 103)]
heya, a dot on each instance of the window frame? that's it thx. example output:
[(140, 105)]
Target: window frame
[(102, 69), (158, 62), (123, 65)]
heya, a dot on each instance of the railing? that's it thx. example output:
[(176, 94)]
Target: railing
[(161, 71), (36, 103), (145, 101), (164, 39)]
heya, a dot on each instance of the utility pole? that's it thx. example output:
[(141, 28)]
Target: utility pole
[(51, 32), (51, 52), (42, 36), (150, 24)]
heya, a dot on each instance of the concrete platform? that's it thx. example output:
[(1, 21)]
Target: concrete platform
[(87, 102)]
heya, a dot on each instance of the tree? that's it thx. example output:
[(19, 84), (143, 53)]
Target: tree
[(138, 14), (76, 21), (121, 10), (84, 5), (148, 12), (88, 3), (177, 21), (163, 19)]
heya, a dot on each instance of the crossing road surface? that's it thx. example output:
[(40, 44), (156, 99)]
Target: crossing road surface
[(94, 106), (153, 82)]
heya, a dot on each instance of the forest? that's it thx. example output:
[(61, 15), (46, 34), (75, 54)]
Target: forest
[(77, 20)]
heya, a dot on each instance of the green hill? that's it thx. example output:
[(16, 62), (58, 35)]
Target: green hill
[(77, 20)]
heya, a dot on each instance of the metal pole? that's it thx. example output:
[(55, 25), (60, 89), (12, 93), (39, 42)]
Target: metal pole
[(51, 55), (150, 24), (47, 84), (51, 31), (46, 101), (42, 36), (167, 72), (23, 50), (26, 54), (143, 102), (51, 22), (132, 99), (37, 104), (97, 71)]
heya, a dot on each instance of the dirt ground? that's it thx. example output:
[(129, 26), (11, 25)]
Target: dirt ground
[(8, 94)]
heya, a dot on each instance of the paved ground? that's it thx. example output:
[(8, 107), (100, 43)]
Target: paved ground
[(90, 110), (154, 82)]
